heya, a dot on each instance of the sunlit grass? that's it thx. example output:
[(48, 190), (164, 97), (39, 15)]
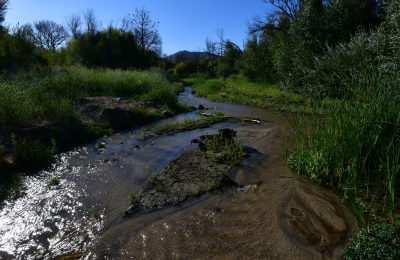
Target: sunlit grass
[(53, 96), (354, 145), (236, 89)]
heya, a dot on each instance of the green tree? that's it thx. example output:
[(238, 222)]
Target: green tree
[(3, 10), (110, 48), (227, 64), (256, 62)]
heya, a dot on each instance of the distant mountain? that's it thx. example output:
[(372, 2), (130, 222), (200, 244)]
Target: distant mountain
[(183, 56)]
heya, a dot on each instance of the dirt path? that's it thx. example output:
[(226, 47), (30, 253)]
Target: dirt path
[(276, 215)]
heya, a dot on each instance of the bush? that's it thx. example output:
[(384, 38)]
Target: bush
[(381, 241)]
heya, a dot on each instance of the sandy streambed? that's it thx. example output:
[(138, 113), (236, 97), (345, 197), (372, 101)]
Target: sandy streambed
[(272, 214)]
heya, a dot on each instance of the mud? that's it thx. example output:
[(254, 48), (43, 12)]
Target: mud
[(193, 173), (277, 215), (116, 112), (274, 214)]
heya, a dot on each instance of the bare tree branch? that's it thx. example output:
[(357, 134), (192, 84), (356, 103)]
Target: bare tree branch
[(218, 48), (288, 8), (91, 23), (283, 10), (144, 28), (49, 35), (74, 23)]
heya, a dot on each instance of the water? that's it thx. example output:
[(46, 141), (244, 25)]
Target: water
[(83, 216), (53, 221)]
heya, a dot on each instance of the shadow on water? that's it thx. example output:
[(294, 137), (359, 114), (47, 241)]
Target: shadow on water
[(83, 215)]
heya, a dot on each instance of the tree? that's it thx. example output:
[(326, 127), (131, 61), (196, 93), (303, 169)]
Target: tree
[(3, 9), (74, 24), (92, 25), (110, 48), (18, 49), (227, 64), (49, 35), (287, 8), (145, 30), (256, 62)]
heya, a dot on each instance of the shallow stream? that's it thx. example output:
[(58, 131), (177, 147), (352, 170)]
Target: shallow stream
[(275, 215)]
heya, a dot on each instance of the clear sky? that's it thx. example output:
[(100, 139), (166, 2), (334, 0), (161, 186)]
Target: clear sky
[(183, 24)]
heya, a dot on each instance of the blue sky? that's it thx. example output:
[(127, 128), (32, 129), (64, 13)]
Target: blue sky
[(184, 24)]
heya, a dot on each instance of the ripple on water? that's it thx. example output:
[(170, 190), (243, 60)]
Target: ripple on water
[(47, 221)]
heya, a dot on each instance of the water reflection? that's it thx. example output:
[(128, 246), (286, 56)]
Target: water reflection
[(66, 220), (47, 221)]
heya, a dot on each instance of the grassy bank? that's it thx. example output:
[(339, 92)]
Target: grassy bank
[(41, 112), (237, 89), (54, 95), (355, 147), (351, 145)]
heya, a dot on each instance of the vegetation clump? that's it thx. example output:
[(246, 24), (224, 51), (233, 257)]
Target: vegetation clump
[(55, 181), (238, 89), (380, 241), (193, 173), (28, 155), (190, 124)]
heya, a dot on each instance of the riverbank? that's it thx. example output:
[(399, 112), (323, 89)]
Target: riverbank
[(95, 183), (349, 145), (237, 89), (42, 114)]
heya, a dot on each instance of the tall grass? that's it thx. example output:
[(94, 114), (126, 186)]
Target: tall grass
[(80, 81), (55, 95), (238, 89), (24, 99), (355, 144)]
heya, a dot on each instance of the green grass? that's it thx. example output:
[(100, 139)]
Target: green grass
[(101, 145), (81, 81), (32, 155), (354, 146), (380, 241), (55, 181), (10, 185), (189, 124), (224, 148), (32, 96), (236, 89)]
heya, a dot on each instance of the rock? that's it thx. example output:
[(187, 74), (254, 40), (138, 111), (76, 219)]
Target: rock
[(195, 141), (202, 107), (167, 113)]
